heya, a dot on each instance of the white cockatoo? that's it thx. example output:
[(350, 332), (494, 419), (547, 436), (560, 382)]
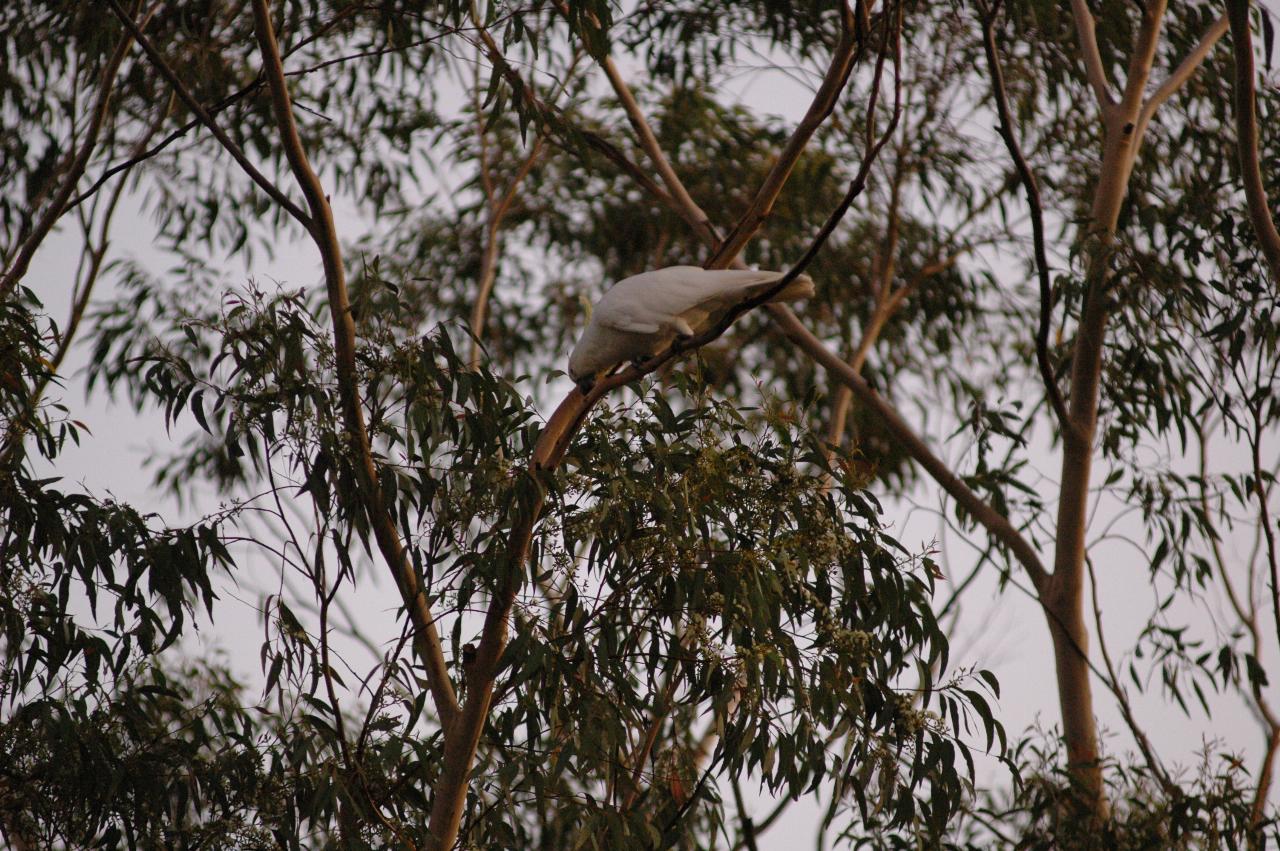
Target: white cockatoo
[(641, 315)]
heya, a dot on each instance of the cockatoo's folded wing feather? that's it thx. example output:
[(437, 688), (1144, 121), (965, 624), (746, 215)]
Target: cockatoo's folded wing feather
[(655, 297), (621, 320), (640, 314)]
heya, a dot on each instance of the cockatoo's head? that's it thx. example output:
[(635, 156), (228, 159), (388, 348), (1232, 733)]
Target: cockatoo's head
[(584, 368), (594, 355)]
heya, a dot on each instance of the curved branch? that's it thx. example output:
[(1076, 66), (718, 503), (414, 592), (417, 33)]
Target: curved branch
[(1036, 206), (15, 270), (323, 231), (1086, 31), (207, 120), (1247, 136)]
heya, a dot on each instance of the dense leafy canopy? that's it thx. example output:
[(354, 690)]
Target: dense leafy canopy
[(711, 597)]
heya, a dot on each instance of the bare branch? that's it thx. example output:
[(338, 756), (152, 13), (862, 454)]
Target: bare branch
[(1248, 616), (1266, 772), (18, 268), (1264, 514), (685, 204), (497, 209), (996, 524), (323, 231), (1143, 56), (1180, 75), (645, 748), (1247, 136), (1122, 697), (207, 120), (884, 310), (632, 170), (747, 827), (686, 208), (1086, 32), (1036, 206), (840, 67)]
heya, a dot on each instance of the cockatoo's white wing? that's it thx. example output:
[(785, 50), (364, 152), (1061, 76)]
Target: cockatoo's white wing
[(656, 300), (641, 314)]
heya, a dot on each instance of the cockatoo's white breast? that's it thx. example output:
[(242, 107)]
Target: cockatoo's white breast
[(641, 314)]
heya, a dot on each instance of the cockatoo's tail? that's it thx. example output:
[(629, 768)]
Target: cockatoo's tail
[(640, 316)]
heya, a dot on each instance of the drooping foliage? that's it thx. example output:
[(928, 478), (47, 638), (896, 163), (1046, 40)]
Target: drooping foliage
[(715, 597)]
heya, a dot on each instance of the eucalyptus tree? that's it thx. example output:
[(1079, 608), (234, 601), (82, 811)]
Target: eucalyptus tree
[(680, 584)]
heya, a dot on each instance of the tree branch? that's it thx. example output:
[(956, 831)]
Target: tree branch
[(323, 231), (1063, 598), (824, 101), (996, 524), (1179, 76), (1086, 32), (1036, 206), (207, 120), (1122, 698), (886, 307), (1143, 56), (497, 208), (238, 95), (1264, 514), (1247, 136), (685, 204), (18, 268)]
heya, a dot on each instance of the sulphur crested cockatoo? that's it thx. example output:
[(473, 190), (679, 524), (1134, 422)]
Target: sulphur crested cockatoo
[(640, 316)]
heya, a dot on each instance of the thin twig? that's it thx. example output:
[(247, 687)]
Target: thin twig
[(1036, 206), (207, 120), (18, 268), (235, 97), (1122, 698), (1264, 513)]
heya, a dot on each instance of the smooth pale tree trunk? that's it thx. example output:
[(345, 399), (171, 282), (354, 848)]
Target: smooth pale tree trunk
[(1064, 602)]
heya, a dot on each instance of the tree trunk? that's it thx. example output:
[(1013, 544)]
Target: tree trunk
[(1064, 602)]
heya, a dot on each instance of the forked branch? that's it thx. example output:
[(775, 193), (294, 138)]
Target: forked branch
[(162, 65)]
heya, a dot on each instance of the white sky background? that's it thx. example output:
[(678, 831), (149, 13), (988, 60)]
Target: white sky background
[(1005, 633)]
